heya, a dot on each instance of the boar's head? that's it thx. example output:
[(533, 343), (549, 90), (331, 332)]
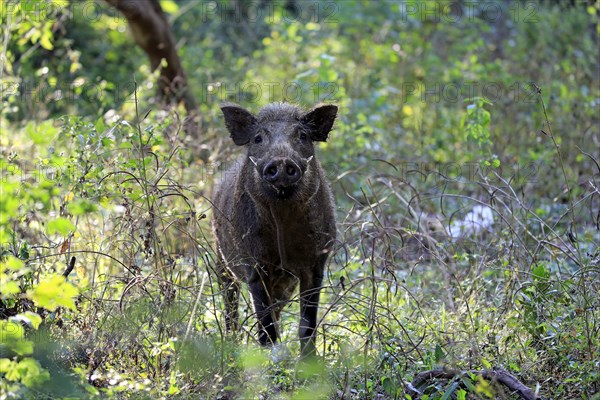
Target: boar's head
[(280, 149)]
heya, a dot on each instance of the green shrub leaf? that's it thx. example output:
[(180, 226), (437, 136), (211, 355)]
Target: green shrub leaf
[(54, 292), (61, 226)]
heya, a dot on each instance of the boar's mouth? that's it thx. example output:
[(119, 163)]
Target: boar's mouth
[(285, 192), (281, 177)]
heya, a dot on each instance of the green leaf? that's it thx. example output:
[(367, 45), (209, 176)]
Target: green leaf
[(12, 334), (99, 125), (31, 373), (81, 206), (10, 288), (10, 331), (30, 317), (53, 293), (468, 383), (484, 387), (5, 365), (173, 389), (12, 263), (5, 234), (45, 42), (8, 368), (42, 133), (439, 353), (61, 226), (486, 363), (169, 6), (450, 391), (388, 385), (540, 272), (22, 347), (106, 142)]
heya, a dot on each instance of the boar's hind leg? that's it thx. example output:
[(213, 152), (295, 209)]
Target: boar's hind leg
[(310, 287), (231, 294), (267, 334)]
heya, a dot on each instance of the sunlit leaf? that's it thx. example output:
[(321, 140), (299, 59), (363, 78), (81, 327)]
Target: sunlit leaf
[(30, 318), (10, 288), (31, 373), (46, 43), (13, 263), (486, 363), (8, 368), (169, 6), (69, 196), (42, 133), (61, 225), (5, 365), (484, 387), (10, 331), (54, 292)]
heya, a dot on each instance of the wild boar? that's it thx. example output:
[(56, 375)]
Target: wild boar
[(274, 215)]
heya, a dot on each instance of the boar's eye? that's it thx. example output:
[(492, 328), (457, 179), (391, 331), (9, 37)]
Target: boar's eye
[(303, 136), (258, 139)]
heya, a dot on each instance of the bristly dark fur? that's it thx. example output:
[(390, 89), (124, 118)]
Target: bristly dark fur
[(274, 231), (280, 112)]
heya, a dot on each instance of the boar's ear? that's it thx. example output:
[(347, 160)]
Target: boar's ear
[(239, 122), (319, 121)]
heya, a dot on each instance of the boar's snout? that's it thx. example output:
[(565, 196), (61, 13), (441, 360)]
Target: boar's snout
[(281, 172)]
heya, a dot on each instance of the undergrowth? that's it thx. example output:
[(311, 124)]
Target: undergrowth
[(402, 294)]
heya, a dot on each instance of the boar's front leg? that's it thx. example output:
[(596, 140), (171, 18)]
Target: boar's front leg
[(310, 287), (231, 294), (263, 306)]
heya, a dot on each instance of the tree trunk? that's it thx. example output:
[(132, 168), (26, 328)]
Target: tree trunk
[(150, 30)]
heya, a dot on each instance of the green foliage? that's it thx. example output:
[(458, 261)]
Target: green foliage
[(53, 293), (27, 371), (476, 122)]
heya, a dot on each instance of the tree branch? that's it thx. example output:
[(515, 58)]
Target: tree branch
[(495, 376), (151, 31)]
